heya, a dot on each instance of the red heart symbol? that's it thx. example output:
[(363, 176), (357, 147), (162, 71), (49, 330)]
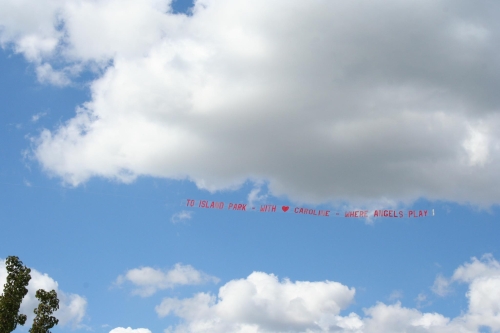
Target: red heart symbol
[(285, 208)]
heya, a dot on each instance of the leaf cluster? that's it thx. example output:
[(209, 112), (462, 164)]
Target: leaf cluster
[(48, 304), (14, 291)]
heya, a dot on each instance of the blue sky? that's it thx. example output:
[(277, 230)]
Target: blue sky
[(92, 197)]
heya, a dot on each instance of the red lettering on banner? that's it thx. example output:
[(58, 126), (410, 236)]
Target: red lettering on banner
[(233, 206), (308, 211), (268, 208), (303, 211), (387, 213), (356, 213), (414, 213), (213, 204), (299, 210)]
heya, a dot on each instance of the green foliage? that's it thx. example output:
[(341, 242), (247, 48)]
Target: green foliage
[(48, 304), (14, 290)]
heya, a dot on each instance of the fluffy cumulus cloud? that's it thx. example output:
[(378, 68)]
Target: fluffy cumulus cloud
[(149, 280), (71, 306), (129, 330), (325, 100), (262, 303)]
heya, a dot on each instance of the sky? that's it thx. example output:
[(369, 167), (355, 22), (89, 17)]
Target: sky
[(121, 119)]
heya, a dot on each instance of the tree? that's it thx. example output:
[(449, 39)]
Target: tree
[(13, 293), (48, 304)]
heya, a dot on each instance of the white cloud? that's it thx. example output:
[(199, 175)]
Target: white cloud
[(263, 304), (255, 197), (72, 307), (150, 280), (46, 74), (395, 318), (487, 266), (37, 116), (324, 100), (395, 295), (181, 216), (129, 330), (477, 145), (441, 286), (422, 301)]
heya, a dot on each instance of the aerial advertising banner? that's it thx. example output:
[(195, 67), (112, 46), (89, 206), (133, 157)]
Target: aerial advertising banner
[(269, 208)]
